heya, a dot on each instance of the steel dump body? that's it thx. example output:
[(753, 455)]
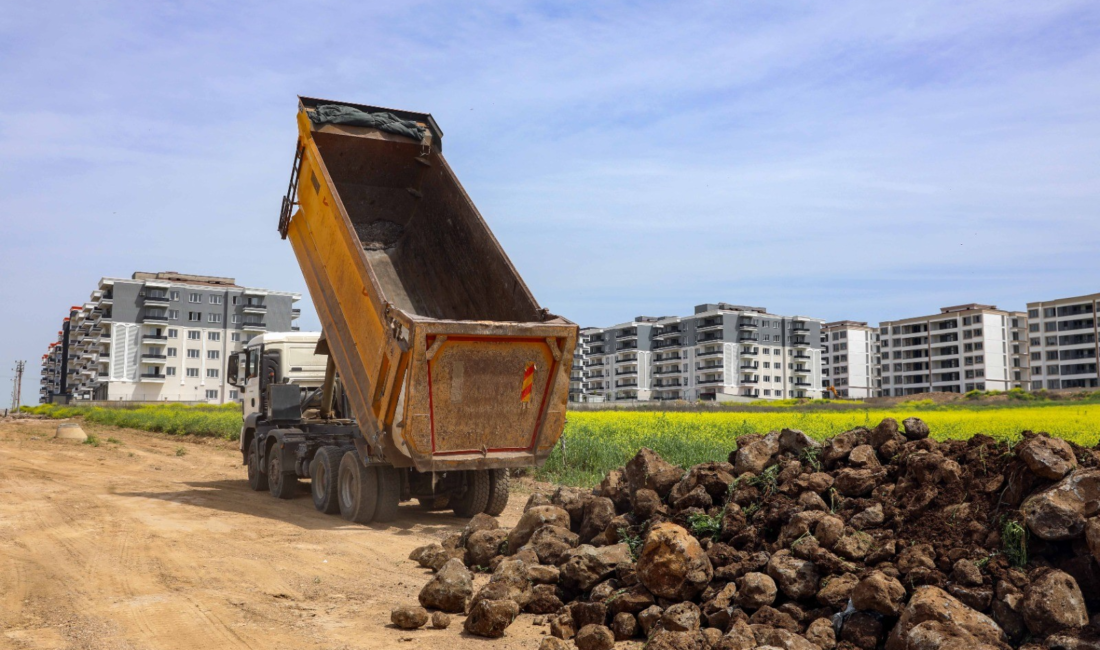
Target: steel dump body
[(447, 360)]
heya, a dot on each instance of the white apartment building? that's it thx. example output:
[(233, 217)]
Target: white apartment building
[(962, 348), (1063, 337), (850, 360), (578, 390), (721, 352), (163, 337)]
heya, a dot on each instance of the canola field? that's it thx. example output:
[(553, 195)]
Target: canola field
[(597, 441), (179, 419)]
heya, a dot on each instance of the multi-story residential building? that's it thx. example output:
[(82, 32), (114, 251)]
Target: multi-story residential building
[(1064, 342), (616, 363), (850, 360), (165, 336), (962, 348), (578, 389), (721, 352)]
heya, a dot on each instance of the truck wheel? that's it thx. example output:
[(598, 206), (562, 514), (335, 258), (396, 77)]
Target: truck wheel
[(280, 483), (257, 480), (358, 489), (324, 471), (476, 496), (498, 491), (389, 493)]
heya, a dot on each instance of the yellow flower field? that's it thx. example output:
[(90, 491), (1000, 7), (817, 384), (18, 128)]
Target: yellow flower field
[(596, 441)]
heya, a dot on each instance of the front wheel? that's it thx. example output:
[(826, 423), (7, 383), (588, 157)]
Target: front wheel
[(281, 483), (257, 480)]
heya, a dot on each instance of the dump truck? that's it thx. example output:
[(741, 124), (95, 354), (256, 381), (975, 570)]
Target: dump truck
[(442, 373)]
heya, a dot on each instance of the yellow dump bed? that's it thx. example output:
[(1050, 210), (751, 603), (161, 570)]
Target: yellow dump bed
[(447, 359)]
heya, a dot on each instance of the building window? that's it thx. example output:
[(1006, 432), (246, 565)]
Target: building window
[(192, 354), (173, 333), (236, 319), (214, 336), (194, 335), (215, 299), (212, 394), (212, 372), (235, 337), (194, 316), (170, 371), (233, 394), (192, 372), (171, 352), (214, 318), (213, 354), (174, 295), (194, 297), (173, 314)]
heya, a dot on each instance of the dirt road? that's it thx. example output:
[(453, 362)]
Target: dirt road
[(154, 542)]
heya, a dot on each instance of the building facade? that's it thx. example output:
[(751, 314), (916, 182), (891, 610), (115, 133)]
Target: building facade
[(163, 337), (850, 360), (962, 348), (1064, 342), (721, 352)]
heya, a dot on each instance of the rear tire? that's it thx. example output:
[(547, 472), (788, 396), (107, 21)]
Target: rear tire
[(389, 493), (358, 489), (324, 472), (476, 496), (257, 480), (281, 484), (499, 483)]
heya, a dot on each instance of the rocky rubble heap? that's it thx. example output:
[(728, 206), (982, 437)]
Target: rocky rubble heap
[(878, 538)]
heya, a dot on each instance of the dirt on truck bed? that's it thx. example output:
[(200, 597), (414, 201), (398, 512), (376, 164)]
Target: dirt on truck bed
[(157, 542)]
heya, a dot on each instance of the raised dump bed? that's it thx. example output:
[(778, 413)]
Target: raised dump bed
[(447, 360)]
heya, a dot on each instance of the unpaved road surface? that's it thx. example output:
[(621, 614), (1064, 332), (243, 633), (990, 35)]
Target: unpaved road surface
[(137, 545)]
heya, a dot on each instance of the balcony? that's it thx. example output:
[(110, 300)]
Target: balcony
[(711, 380), (667, 331), (800, 328), (670, 358), (628, 371), (595, 364), (626, 384), (747, 336), (750, 365), (706, 326), (709, 338), (154, 338), (747, 325), (153, 357), (630, 334), (660, 345), (750, 352), (801, 370), (800, 355), (255, 327), (155, 317), (152, 377), (710, 353), (802, 384), (668, 371), (254, 308), (668, 386), (800, 341), (156, 299), (748, 379)]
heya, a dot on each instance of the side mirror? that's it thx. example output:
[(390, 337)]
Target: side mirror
[(232, 370)]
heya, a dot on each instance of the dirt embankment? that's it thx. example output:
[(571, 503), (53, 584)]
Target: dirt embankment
[(136, 544)]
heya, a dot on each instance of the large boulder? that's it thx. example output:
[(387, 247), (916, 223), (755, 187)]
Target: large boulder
[(669, 640), (512, 577), (836, 590), (545, 599), (672, 564), (853, 482), (714, 478), (631, 600), (933, 617), (489, 618), (841, 445), (1054, 602), (571, 500), (550, 543), (878, 592), (586, 566), (796, 578), (449, 589), (483, 545), (795, 442), (594, 637), (681, 617), (756, 456), (531, 521), (624, 626), (756, 590), (480, 521), (648, 470), (1060, 511), (598, 513), (1050, 458), (615, 487), (914, 428)]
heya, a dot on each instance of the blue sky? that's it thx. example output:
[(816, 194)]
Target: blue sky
[(846, 159)]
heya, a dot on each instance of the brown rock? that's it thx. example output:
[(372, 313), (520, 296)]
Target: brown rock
[(681, 617), (408, 617), (877, 592), (483, 545), (535, 500), (561, 627), (511, 575), (1049, 458), (672, 564), (771, 617), (739, 637), (780, 638), (624, 626), (856, 482), (649, 618), (932, 611), (816, 482), (1007, 610), (1060, 511), (594, 637), (1092, 537), (821, 633), (862, 630), (545, 599), (838, 447), (863, 457), (441, 620), (632, 600), (480, 521), (755, 590), (543, 575), (489, 618), (648, 470), (571, 500), (796, 578), (1052, 603), (918, 556), (449, 589), (531, 521), (668, 640), (587, 613), (550, 543), (756, 456), (614, 487), (855, 546), (812, 501), (697, 498), (966, 572), (598, 513), (915, 428), (793, 441), (646, 504), (870, 517), (828, 530), (886, 431), (586, 566), (554, 643), (836, 590)]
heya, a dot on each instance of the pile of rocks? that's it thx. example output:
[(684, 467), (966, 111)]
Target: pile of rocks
[(876, 538)]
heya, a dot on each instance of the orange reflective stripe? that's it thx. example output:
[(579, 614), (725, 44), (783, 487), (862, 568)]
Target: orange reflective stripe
[(528, 383)]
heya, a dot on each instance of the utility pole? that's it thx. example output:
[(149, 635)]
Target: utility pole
[(17, 389)]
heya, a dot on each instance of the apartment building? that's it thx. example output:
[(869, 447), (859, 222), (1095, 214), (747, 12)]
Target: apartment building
[(162, 337), (721, 352), (850, 360), (578, 389), (962, 348), (1063, 339), (616, 362)]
